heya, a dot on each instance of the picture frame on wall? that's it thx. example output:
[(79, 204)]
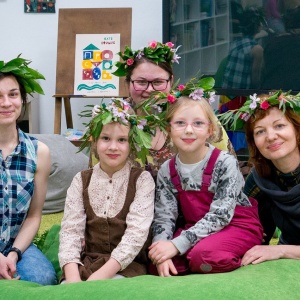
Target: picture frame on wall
[(39, 6)]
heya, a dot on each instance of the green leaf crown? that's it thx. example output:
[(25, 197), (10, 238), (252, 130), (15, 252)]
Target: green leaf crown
[(155, 51), (235, 119), (142, 128), (24, 74), (196, 88)]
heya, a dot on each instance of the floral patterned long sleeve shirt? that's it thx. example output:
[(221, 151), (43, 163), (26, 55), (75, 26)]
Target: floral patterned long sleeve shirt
[(226, 184), (107, 197)]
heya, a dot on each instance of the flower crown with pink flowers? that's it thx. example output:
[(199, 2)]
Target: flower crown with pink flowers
[(158, 103), (235, 119), (142, 128), (197, 89), (155, 51)]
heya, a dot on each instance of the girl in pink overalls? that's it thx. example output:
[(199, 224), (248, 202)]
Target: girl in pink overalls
[(203, 221)]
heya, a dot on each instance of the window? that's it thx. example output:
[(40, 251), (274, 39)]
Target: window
[(247, 45)]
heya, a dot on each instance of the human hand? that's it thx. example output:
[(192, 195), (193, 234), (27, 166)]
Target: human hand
[(160, 251), (258, 254), (8, 268), (107, 271), (96, 276), (71, 272), (72, 280), (99, 275), (165, 268)]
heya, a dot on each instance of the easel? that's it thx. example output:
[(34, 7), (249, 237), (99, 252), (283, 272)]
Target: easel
[(83, 21)]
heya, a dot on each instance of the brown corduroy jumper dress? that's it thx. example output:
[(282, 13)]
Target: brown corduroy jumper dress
[(102, 235)]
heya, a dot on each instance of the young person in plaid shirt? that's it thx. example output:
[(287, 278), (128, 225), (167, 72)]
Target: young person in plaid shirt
[(24, 171), (245, 58)]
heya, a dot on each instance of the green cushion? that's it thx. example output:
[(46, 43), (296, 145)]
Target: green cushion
[(50, 248), (278, 279)]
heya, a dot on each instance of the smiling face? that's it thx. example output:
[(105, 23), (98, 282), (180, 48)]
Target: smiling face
[(190, 140), (10, 101), (113, 147), (147, 71), (276, 139)]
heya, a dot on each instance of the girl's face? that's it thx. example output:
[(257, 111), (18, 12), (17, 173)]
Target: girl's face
[(276, 138), (10, 101), (190, 139), (113, 147), (147, 71)]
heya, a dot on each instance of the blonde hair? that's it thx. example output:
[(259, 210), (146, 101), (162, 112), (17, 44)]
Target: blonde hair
[(205, 106)]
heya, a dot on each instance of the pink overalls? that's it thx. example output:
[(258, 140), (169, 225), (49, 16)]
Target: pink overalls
[(221, 251)]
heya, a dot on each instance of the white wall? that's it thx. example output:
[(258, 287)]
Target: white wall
[(35, 36)]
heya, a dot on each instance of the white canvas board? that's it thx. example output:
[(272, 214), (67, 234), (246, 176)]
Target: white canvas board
[(95, 58)]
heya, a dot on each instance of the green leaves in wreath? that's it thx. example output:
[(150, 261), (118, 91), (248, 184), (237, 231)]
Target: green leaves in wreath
[(128, 59), (156, 52), (26, 75), (141, 142), (231, 120), (205, 83), (235, 119)]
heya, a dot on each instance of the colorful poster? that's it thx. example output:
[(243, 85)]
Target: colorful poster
[(95, 56), (39, 6)]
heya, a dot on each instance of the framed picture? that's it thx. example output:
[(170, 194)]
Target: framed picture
[(39, 6)]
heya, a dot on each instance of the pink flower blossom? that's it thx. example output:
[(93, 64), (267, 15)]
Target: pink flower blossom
[(197, 94), (170, 44), (129, 61), (141, 124), (152, 44), (211, 97), (140, 54), (171, 98), (158, 108), (245, 116), (126, 106), (254, 101), (175, 58), (180, 87), (280, 98), (264, 105)]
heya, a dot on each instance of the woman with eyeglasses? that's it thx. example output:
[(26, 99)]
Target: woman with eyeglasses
[(147, 70)]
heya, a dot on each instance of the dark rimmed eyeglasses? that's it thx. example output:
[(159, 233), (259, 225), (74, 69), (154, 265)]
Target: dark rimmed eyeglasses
[(157, 84)]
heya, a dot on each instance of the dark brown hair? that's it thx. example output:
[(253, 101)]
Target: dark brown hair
[(137, 61)]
